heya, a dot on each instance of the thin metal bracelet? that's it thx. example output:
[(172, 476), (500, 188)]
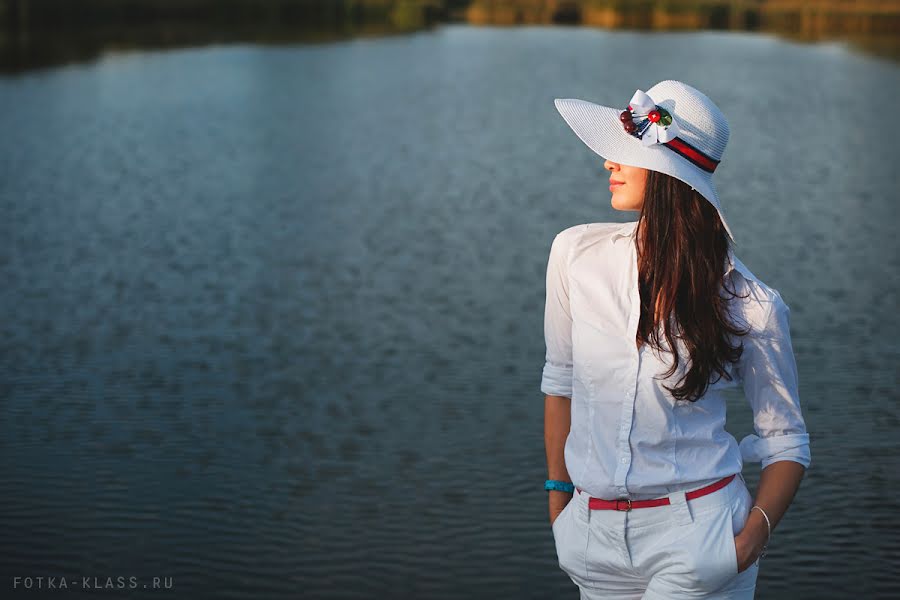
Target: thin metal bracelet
[(768, 526)]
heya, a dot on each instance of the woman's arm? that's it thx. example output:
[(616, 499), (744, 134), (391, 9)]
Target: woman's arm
[(557, 421), (770, 381), (556, 380), (778, 483)]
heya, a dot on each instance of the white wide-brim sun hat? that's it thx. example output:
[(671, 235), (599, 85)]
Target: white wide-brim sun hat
[(689, 151)]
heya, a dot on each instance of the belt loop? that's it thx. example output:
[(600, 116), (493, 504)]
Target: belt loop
[(680, 508)]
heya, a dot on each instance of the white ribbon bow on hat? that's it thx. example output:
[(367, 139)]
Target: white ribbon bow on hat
[(656, 133)]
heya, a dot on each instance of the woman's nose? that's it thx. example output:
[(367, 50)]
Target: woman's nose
[(610, 165)]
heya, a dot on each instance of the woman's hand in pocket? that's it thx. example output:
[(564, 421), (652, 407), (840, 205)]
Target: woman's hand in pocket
[(557, 502), (749, 543)]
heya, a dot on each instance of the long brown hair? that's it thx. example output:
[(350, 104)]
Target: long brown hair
[(683, 252)]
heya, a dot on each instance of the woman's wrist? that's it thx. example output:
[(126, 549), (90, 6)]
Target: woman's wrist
[(757, 530)]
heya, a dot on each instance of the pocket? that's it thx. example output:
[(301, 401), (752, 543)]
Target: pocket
[(726, 556), (740, 516), (555, 525), (739, 510), (707, 556), (570, 541), (731, 548)]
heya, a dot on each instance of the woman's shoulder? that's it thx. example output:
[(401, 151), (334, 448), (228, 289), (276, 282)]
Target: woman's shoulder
[(756, 301), (588, 233)]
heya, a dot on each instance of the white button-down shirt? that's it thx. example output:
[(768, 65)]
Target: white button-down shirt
[(629, 438)]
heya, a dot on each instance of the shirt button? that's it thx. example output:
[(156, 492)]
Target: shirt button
[(624, 460)]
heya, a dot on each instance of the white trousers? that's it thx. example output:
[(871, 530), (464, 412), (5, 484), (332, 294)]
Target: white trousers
[(681, 550)]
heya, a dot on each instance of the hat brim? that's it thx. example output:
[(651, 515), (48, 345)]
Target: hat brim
[(601, 130)]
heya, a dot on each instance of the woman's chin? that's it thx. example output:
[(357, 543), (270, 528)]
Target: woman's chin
[(619, 205)]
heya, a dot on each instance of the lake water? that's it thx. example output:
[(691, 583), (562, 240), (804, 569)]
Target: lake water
[(273, 315)]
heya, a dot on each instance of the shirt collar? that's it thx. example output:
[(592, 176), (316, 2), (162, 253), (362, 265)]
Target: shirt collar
[(627, 230)]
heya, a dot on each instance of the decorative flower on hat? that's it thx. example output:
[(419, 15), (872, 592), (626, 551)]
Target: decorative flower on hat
[(655, 125)]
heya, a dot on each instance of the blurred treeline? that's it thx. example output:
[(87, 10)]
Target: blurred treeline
[(37, 32), (797, 16), (41, 14), (802, 18)]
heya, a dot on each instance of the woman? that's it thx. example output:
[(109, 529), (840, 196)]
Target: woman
[(645, 324)]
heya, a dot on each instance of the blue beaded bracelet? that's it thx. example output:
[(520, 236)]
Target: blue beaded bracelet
[(562, 486)]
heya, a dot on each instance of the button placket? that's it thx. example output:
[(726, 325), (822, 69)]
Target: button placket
[(627, 414), (591, 395)]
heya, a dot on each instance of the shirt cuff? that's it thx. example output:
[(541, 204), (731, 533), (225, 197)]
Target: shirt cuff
[(557, 380), (767, 450)]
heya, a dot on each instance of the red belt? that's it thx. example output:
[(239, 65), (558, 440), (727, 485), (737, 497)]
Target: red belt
[(627, 504)]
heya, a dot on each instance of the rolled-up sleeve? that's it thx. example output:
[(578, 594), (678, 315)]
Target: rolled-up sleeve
[(557, 375), (769, 373)]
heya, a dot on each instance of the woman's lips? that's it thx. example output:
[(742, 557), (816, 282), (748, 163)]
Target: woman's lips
[(614, 185)]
